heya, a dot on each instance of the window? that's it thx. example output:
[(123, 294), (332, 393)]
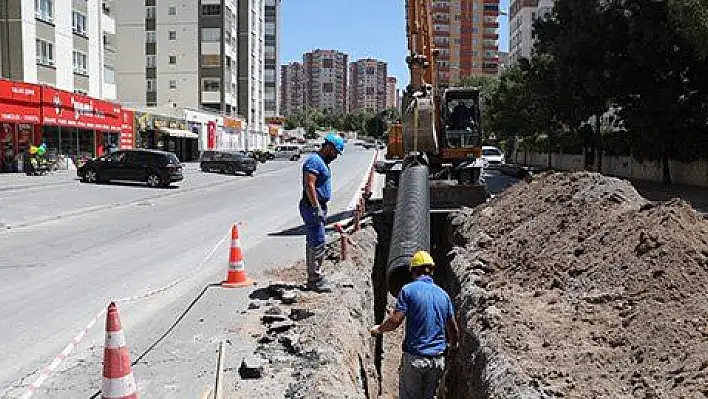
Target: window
[(370, 70), (370, 91), (150, 84), (150, 37), (173, 60), (45, 53), (211, 84), (211, 10), (211, 34), (150, 12), (172, 10), (327, 63), (150, 3), (327, 87), (173, 35), (78, 22), (173, 84), (150, 61), (80, 63), (211, 60), (44, 10), (109, 74)]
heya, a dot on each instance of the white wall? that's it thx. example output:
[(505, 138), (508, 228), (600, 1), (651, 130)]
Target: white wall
[(63, 45), (692, 174)]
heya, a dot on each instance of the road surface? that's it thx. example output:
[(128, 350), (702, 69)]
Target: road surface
[(67, 249)]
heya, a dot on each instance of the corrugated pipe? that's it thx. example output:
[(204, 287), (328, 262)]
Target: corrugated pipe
[(411, 224)]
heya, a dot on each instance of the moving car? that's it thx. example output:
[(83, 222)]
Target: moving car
[(156, 168), (228, 162), (287, 151), (492, 156)]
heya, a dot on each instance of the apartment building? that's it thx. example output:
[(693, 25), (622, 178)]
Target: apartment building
[(293, 86), (272, 60), (178, 53), (391, 92), (62, 43), (466, 32), (251, 67), (522, 15), (367, 86), (326, 76)]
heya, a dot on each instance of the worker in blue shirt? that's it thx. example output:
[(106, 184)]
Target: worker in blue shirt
[(429, 315), (316, 193)]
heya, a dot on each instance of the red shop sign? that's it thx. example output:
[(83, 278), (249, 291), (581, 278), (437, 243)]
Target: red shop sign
[(211, 135), (127, 131), (19, 102), (66, 109)]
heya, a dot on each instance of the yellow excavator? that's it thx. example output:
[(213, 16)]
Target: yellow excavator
[(433, 162)]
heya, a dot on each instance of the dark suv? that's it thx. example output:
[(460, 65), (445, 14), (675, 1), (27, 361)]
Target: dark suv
[(156, 168), (228, 162)]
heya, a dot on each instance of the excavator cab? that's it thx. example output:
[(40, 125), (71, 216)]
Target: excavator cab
[(461, 118)]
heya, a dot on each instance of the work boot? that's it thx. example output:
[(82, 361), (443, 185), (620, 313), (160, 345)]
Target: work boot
[(320, 286)]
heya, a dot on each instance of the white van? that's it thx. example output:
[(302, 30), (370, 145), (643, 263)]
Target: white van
[(287, 151)]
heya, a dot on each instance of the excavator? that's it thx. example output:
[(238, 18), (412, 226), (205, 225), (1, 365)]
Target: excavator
[(433, 164)]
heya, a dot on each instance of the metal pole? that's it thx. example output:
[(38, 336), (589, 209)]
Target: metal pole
[(219, 387)]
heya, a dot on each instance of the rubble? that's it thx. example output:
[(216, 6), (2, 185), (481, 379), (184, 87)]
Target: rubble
[(251, 367), (573, 285)]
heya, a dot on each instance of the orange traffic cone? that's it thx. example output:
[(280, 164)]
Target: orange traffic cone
[(236, 276), (118, 380)]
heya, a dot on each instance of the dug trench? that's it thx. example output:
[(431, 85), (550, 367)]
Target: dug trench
[(570, 285)]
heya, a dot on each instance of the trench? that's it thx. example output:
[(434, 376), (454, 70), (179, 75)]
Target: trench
[(465, 377)]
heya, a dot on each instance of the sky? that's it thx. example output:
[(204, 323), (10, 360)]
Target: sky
[(359, 28)]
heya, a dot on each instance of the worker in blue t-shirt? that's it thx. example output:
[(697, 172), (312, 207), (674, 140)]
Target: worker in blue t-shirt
[(316, 193), (429, 315)]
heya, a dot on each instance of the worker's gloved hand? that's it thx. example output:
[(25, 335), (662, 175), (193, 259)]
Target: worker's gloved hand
[(375, 330), (321, 215)]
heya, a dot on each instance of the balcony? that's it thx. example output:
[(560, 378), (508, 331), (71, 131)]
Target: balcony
[(491, 36), (491, 24), (492, 13)]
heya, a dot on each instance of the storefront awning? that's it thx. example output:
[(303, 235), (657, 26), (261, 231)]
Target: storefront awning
[(186, 134)]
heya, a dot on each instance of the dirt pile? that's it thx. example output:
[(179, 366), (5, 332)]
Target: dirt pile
[(575, 286)]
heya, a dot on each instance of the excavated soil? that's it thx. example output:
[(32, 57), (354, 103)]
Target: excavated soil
[(573, 285)]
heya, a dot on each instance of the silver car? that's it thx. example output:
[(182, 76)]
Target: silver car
[(292, 152)]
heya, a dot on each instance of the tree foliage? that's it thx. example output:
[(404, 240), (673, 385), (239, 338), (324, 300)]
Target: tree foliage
[(645, 59)]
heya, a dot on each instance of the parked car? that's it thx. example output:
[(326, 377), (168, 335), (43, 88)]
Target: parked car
[(156, 168), (228, 162), (292, 152), (492, 155)]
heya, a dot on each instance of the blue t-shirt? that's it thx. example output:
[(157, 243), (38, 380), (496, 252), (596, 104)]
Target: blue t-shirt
[(427, 308), (316, 165)]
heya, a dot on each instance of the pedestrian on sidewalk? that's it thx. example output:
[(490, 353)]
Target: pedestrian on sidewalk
[(316, 193), (429, 315)]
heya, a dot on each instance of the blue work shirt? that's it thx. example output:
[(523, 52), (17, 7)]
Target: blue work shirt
[(427, 308), (316, 165)]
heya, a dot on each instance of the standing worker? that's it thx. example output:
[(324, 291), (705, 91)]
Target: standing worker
[(429, 314), (316, 192)]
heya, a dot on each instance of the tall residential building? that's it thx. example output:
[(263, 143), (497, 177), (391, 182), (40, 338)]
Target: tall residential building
[(292, 88), (367, 85), (272, 59), (251, 67), (67, 44), (522, 15), (180, 53), (465, 31), (326, 76), (391, 92)]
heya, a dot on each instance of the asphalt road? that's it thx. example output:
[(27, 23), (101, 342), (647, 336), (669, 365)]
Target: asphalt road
[(67, 249)]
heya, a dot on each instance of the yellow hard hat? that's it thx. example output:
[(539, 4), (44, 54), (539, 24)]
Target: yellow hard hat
[(422, 258)]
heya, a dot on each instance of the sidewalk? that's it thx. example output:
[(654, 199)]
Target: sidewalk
[(697, 196)]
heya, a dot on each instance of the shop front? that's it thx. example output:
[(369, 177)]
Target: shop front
[(167, 134), (77, 126), (232, 135), (20, 120)]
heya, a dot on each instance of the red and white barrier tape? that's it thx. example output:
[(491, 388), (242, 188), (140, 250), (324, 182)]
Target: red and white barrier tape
[(58, 359), (355, 199)]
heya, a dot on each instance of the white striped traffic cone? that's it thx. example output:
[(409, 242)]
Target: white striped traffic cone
[(118, 380), (236, 275)]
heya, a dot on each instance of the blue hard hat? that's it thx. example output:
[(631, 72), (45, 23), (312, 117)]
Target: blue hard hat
[(336, 141)]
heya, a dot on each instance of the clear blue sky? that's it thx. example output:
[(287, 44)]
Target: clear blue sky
[(360, 28)]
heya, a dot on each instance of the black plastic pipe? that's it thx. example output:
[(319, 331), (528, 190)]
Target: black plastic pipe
[(411, 224)]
